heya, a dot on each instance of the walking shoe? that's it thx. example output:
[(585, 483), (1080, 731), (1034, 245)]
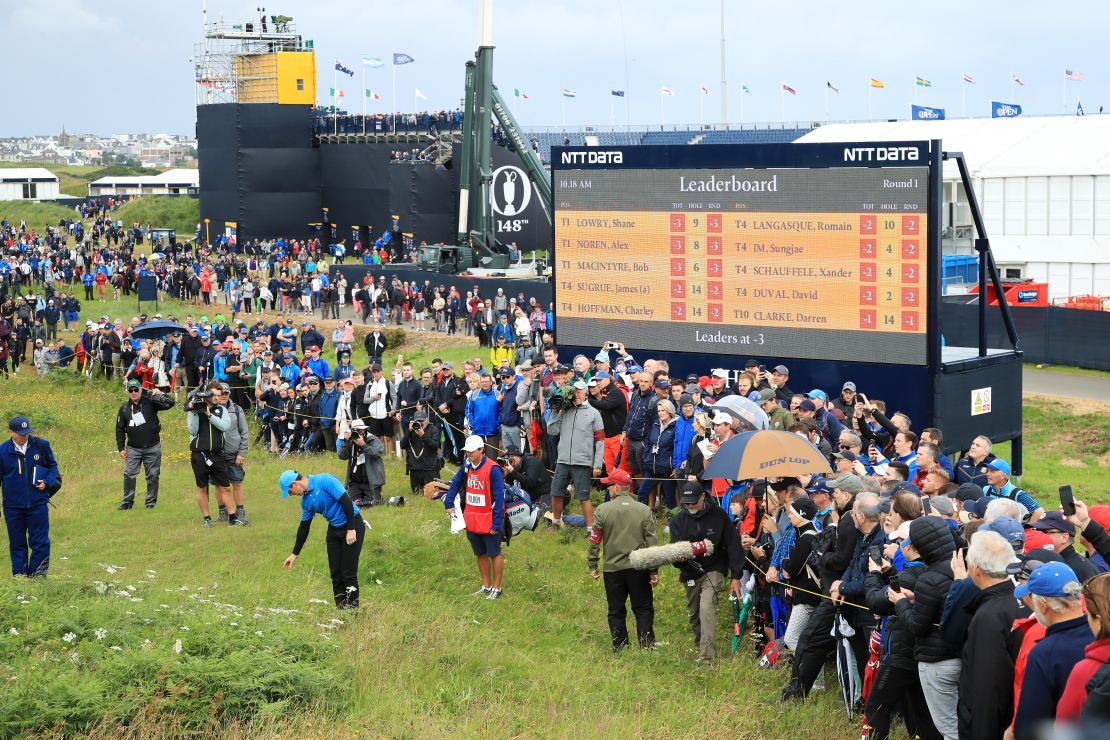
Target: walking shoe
[(793, 691), (150, 506), (124, 507), (207, 522), (494, 594), (483, 591), (233, 521), (243, 521), (223, 515)]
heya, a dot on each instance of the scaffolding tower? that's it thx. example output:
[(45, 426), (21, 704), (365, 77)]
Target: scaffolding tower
[(243, 62)]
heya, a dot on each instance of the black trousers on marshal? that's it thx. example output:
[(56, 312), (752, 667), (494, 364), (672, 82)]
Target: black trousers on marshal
[(635, 586), (343, 562)]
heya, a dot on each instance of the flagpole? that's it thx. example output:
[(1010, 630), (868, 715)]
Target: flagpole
[(963, 97), (741, 102), (334, 101), (782, 103), (394, 95), (661, 98), (612, 119), (870, 90), (364, 98), (701, 110), (826, 101), (1012, 98), (564, 111)]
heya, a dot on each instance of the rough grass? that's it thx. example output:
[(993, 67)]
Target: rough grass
[(422, 658), (37, 215), (162, 212)]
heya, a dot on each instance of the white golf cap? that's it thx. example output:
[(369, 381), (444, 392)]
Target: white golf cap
[(721, 417), (473, 443), (720, 372)]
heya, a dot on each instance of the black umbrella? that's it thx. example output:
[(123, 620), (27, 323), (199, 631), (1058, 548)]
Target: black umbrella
[(156, 329)]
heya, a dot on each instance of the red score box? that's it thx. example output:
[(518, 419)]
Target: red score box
[(678, 222), (909, 249), (678, 312), (868, 224), (714, 246), (867, 295), (716, 314), (678, 288), (909, 298), (678, 245), (910, 225), (867, 272), (909, 321), (867, 319), (910, 273), (713, 223), (716, 290), (678, 266), (714, 267), (867, 249)]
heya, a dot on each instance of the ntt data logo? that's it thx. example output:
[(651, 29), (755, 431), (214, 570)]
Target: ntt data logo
[(592, 157), (881, 154)]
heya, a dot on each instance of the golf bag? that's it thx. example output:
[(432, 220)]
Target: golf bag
[(520, 514)]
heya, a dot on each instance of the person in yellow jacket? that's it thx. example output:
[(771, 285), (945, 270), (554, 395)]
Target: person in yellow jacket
[(501, 355)]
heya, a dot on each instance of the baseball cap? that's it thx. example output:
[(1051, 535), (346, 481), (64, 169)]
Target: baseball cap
[(848, 386), (21, 425), (329, 379), (617, 477), (1047, 580), (1010, 529), (846, 455), (766, 395), (510, 448), (943, 505), (805, 508), (781, 369), (848, 482), (505, 372), (978, 508), (691, 492), (691, 379), (1054, 520), (133, 383), (1037, 540), (818, 393), (447, 366), (312, 380), (579, 385), (662, 383), (719, 372), (473, 443), (358, 424), (602, 375), (721, 418), (285, 480), (819, 486), (376, 366), (635, 369), (968, 492), (684, 399), (1032, 559), (314, 348), (420, 415), (526, 365), (905, 486), (807, 405), (602, 356), (1000, 465)]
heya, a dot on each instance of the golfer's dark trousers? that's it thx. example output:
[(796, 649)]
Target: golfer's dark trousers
[(817, 644), (343, 562), (634, 585), (898, 690)]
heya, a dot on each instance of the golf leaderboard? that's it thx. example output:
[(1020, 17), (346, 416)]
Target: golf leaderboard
[(791, 250)]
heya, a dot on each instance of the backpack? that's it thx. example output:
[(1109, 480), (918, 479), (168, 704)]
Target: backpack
[(825, 543)]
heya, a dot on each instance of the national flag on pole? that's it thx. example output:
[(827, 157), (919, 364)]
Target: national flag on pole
[(1017, 79), (830, 86), (617, 93), (374, 62), (335, 93), (744, 88), (877, 83), (705, 90), (666, 90), (340, 68), (568, 93), (1070, 74), (787, 88), (517, 93), (1079, 108), (402, 58), (372, 95), (969, 79), (416, 93), (922, 82)]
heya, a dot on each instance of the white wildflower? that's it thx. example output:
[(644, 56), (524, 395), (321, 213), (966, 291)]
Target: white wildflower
[(316, 601), (101, 633), (13, 631), (74, 657), (326, 637), (184, 628), (258, 632), (163, 606), (336, 621), (177, 647), (147, 643), (376, 580), (136, 599), (124, 594), (234, 624), (101, 587), (69, 637), (117, 648), (131, 588)]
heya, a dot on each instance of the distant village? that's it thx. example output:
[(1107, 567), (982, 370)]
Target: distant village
[(145, 150)]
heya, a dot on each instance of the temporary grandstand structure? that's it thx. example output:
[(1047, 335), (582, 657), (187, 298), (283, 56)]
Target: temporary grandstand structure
[(1043, 183)]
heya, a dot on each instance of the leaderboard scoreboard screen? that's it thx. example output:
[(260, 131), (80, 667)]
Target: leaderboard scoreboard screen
[(818, 251)]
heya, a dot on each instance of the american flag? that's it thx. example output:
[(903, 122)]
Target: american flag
[(789, 89), (1018, 79), (969, 79), (1071, 74)]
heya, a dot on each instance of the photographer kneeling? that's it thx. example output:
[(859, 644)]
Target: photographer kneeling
[(207, 421), (421, 447), (527, 472), (365, 467)]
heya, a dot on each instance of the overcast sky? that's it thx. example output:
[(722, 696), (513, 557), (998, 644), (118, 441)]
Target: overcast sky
[(126, 65)]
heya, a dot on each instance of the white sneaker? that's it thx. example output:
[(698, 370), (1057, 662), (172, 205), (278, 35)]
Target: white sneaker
[(494, 593), (483, 591)]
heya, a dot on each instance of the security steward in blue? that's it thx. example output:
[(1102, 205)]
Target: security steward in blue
[(323, 494), (28, 478), (138, 440)]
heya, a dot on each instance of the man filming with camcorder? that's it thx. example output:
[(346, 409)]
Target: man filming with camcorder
[(207, 421)]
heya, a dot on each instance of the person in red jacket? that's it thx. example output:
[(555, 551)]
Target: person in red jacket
[(482, 484), (1096, 593)]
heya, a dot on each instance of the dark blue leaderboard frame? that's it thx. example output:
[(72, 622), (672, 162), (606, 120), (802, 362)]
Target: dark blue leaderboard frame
[(907, 388)]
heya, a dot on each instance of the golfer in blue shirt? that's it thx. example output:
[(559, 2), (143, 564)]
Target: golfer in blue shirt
[(323, 494)]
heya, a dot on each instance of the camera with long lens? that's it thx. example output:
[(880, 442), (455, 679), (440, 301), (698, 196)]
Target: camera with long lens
[(197, 400), (562, 398)]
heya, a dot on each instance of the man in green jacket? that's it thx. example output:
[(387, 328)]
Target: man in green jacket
[(777, 417), (623, 524)]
